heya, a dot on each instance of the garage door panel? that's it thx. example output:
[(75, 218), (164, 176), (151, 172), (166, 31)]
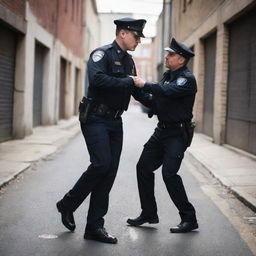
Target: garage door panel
[(241, 108), (209, 67), (252, 134), (7, 71), (239, 130)]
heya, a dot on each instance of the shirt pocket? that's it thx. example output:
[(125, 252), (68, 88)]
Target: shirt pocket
[(118, 71)]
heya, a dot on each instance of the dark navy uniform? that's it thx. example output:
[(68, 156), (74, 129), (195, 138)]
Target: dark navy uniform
[(109, 79), (173, 100), (110, 88)]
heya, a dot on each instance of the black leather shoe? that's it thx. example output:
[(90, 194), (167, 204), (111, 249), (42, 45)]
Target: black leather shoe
[(141, 220), (66, 217), (100, 235), (184, 227)]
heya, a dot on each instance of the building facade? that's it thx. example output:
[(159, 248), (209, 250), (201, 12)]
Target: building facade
[(162, 38), (222, 35), (41, 63)]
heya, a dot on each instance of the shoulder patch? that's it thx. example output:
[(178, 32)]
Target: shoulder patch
[(181, 81), (98, 55)]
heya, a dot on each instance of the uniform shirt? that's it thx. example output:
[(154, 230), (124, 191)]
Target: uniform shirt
[(174, 95), (108, 70)]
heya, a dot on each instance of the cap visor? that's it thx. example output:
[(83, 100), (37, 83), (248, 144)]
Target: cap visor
[(168, 49), (138, 33), (142, 35)]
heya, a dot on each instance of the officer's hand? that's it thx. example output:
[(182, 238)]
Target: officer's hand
[(138, 81)]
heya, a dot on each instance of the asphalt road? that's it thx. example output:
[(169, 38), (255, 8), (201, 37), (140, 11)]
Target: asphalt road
[(30, 224)]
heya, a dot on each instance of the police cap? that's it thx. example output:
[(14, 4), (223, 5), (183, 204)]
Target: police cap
[(131, 24), (179, 48)]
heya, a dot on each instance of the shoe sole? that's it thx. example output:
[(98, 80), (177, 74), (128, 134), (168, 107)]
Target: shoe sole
[(141, 223), (183, 231), (92, 237)]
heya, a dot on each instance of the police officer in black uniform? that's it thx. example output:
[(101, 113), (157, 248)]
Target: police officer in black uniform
[(110, 68), (173, 100)]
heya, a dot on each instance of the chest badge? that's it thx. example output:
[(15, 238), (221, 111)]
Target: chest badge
[(118, 63)]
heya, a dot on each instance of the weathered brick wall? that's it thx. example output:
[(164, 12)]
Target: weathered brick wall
[(16, 6), (63, 19), (70, 25), (194, 20), (189, 15), (46, 12)]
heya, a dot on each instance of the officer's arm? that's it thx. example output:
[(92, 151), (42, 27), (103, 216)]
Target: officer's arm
[(172, 89), (97, 72), (142, 97)]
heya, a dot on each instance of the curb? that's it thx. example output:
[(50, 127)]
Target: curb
[(244, 197), (14, 175), (14, 169)]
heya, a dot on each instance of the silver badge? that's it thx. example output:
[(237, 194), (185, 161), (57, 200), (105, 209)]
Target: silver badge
[(98, 55), (181, 81)]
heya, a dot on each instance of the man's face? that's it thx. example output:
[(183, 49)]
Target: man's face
[(174, 61), (130, 40)]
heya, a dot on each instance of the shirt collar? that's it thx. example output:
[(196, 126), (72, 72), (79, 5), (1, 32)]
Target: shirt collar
[(178, 71), (118, 49)]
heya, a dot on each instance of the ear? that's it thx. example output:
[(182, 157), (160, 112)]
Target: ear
[(181, 60), (122, 33)]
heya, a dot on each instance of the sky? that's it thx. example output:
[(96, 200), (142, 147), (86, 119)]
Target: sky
[(143, 9)]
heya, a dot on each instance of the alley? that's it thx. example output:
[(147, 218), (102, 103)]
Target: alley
[(30, 224)]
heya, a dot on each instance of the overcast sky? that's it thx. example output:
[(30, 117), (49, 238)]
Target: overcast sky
[(146, 9)]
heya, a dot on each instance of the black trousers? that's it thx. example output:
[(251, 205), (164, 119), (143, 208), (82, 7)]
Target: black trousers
[(104, 139), (165, 147)]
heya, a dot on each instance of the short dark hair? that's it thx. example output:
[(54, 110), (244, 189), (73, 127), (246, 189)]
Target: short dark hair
[(118, 30)]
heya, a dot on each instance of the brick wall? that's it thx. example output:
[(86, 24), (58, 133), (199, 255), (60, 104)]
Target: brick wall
[(193, 21), (16, 6), (189, 15), (46, 12), (62, 18), (70, 24)]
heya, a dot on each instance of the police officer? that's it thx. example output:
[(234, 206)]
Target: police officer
[(173, 101), (110, 68)]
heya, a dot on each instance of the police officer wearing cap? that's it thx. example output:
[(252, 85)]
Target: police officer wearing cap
[(110, 68), (173, 100)]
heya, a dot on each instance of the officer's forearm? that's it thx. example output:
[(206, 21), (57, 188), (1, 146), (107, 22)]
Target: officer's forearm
[(105, 81)]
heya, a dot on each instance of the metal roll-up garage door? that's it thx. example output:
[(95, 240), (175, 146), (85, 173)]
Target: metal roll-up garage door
[(62, 102), (209, 74), (241, 107), (38, 84), (7, 72)]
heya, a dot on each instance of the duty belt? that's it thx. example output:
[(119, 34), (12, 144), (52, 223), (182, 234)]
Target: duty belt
[(105, 111), (163, 124)]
